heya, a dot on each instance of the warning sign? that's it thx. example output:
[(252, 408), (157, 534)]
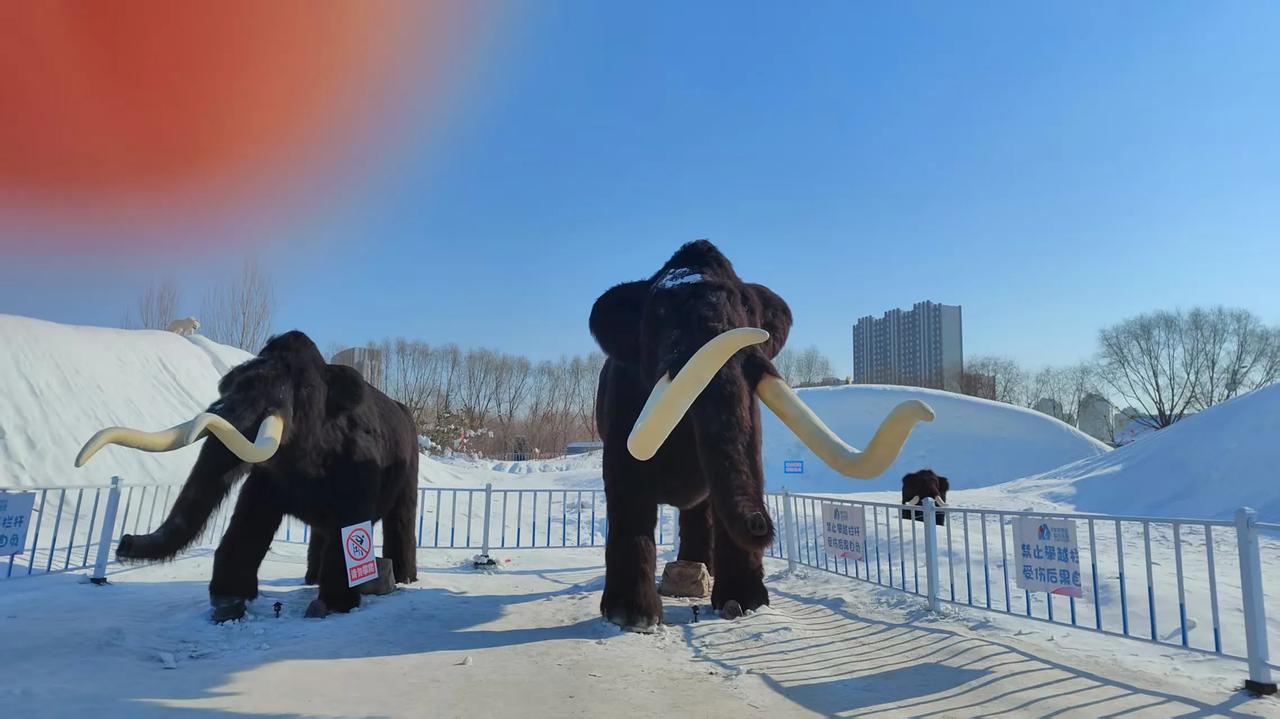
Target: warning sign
[(15, 518), (357, 549)]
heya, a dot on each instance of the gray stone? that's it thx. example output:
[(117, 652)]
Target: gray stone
[(386, 581)]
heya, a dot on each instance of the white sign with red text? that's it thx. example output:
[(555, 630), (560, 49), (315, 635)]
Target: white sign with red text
[(844, 531), (357, 549)]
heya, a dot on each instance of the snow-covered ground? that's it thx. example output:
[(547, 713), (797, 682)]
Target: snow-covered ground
[(527, 640)]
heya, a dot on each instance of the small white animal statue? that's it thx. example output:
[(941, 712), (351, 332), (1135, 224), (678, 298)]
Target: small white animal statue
[(184, 326)]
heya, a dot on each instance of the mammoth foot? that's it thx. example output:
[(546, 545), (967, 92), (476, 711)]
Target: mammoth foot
[(733, 599), (317, 609), (142, 546), (731, 609), (634, 613), (226, 609), (633, 623), (343, 602)]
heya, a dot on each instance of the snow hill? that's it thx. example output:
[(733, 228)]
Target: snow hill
[(1205, 466), (59, 384), (973, 442)]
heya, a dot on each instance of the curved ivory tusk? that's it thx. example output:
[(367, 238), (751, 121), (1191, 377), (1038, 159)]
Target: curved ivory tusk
[(939, 502), (914, 501), (260, 450), (162, 441), (881, 451), (671, 398)]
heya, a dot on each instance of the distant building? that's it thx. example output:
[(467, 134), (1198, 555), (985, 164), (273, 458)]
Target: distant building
[(365, 360), (920, 347), (1096, 418), (1051, 407), (977, 384), (582, 447), (1132, 424)]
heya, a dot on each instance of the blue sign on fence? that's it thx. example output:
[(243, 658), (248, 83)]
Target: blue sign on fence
[(793, 466), (15, 517)]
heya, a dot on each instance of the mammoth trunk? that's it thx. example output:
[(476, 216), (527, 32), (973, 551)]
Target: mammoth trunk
[(211, 479), (727, 426)]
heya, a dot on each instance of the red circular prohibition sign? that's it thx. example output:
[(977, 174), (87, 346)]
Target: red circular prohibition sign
[(358, 545)]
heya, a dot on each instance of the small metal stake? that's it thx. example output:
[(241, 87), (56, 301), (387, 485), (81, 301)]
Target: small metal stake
[(277, 606), (695, 614)]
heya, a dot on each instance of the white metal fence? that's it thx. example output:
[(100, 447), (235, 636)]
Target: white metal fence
[(1189, 583)]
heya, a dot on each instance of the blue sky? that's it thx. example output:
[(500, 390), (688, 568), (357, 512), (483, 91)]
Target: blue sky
[(1051, 168)]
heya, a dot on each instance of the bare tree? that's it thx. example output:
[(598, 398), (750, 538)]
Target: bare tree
[(514, 386), (806, 368), (1155, 362), (481, 376), (239, 312), (1066, 386), (998, 378), (786, 363), (156, 308), (1238, 353)]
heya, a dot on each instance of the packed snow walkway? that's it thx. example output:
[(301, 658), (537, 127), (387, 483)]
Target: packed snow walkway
[(527, 641)]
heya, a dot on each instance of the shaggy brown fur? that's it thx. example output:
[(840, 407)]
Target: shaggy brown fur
[(349, 454), (710, 467), (922, 484)]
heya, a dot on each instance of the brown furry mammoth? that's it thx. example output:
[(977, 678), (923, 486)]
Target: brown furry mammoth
[(330, 449), (922, 485), (689, 352)]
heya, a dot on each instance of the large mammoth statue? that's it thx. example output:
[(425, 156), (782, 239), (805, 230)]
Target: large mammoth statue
[(330, 449), (689, 351)]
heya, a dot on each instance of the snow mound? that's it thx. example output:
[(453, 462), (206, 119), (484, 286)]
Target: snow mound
[(973, 442), (60, 383), (1205, 466)]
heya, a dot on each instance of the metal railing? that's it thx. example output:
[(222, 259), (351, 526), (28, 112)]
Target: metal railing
[(1189, 583), (76, 528)]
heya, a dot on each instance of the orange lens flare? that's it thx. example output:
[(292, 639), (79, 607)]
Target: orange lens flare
[(147, 102)]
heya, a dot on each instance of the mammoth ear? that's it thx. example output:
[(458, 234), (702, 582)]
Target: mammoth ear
[(615, 320), (345, 389), (775, 317)]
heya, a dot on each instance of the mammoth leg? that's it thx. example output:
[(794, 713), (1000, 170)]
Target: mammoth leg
[(739, 573), (355, 501), (248, 537), (630, 593), (315, 556), (335, 594), (696, 535), (398, 538)]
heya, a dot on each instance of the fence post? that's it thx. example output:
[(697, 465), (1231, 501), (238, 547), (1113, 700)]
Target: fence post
[(789, 536), (484, 560), (1255, 611), (931, 551), (107, 534)]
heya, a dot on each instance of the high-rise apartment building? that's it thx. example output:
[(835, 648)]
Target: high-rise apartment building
[(920, 347), (365, 360)]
